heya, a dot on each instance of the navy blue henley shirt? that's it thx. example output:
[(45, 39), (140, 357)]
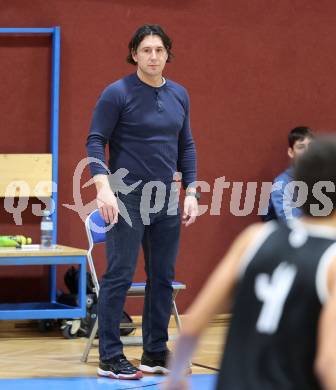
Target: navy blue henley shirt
[(148, 131)]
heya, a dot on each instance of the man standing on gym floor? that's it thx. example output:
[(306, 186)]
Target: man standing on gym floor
[(145, 119)]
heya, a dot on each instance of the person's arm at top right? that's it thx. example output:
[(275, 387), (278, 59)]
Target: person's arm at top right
[(282, 199), (105, 117), (214, 296), (277, 198)]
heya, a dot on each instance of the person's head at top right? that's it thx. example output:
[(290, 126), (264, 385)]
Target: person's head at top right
[(299, 140)]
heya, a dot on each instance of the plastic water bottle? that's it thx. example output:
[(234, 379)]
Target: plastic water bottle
[(46, 230)]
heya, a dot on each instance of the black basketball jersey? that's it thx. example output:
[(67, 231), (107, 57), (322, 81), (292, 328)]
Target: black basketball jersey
[(271, 343)]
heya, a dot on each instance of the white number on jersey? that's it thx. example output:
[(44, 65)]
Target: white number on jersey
[(273, 291)]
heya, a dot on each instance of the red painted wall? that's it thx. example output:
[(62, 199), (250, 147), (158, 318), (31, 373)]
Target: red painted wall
[(253, 70)]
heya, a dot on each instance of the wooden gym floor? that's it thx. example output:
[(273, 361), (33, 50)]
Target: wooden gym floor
[(28, 353)]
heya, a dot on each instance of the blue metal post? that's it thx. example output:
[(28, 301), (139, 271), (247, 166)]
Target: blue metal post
[(54, 123), (54, 119)]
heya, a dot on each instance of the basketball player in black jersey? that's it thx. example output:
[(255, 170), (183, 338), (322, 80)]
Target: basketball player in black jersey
[(283, 280)]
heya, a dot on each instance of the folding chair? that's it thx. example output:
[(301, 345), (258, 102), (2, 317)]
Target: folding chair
[(95, 230)]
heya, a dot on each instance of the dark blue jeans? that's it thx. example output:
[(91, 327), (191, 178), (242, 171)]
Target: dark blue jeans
[(160, 241)]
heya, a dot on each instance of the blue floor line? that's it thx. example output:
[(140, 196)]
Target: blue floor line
[(197, 382)]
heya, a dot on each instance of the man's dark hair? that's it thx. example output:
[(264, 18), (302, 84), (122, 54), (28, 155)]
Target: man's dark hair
[(318, 165), (298, 134), (141, 33)]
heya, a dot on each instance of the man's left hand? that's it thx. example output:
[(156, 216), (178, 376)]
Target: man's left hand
[(190, 210)]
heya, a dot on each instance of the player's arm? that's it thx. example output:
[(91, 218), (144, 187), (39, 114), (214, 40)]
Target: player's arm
[(325, 364), (216, 293)]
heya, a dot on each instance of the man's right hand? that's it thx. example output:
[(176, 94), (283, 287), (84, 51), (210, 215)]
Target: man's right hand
[(108, 205), (106, 200)]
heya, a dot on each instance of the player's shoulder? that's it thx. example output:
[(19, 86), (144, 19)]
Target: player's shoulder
[(251, 240), (251, 232), (253, 236)]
